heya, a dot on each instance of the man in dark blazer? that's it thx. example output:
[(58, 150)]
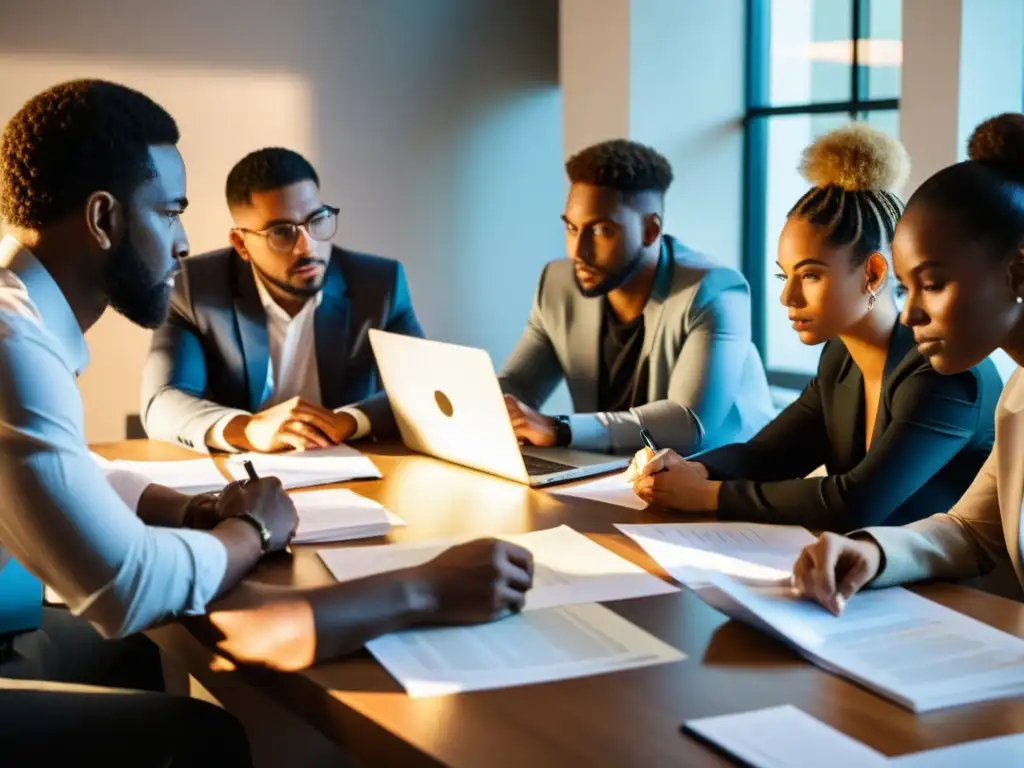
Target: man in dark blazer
[(266, 346)]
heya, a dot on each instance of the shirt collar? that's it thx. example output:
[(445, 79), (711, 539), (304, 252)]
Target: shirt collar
[(273, 309), (49, 302)]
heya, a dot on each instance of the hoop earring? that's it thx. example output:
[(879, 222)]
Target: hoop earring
[(872, 298)]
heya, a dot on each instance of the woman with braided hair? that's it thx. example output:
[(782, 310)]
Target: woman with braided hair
[(898, 440)]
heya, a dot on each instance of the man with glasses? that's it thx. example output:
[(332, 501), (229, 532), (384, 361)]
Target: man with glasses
[(266, 347)]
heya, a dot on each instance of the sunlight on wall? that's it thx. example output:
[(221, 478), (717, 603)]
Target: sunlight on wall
[(221, 115)]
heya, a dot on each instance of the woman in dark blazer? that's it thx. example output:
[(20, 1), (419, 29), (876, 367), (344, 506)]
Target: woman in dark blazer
[(899, 441)]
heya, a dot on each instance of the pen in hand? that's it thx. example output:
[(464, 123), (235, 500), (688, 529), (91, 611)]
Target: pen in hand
[(649, 442), (250, 470)]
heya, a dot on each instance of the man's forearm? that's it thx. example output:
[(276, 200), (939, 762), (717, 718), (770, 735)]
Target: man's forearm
[(290, 629), (244, 550), (163, 507)]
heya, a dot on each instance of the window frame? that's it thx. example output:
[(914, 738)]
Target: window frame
[(758, 113)]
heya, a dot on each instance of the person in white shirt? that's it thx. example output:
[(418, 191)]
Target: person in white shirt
[(92, 187), (266, 347)]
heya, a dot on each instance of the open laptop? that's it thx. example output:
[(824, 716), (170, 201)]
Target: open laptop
[(448, 404)]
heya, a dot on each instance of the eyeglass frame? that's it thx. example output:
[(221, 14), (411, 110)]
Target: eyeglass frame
[(303, 225)]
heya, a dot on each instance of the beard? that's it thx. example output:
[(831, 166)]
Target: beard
[(612, 280), (133, 291), (300, 291)]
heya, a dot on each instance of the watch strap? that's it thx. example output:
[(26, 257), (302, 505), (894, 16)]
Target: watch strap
[(261, 529), (563, 431)]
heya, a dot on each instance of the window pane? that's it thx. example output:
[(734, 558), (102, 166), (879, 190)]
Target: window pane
[(810, 51), (881, 52), (887, 120), (787, 138)]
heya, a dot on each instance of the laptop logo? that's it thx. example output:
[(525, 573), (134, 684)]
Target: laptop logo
[(443, 403)]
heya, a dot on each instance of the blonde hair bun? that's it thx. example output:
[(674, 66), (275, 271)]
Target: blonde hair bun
[(999, 141), (856, 157)]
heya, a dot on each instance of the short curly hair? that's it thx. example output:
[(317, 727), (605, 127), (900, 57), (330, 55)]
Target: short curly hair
[(75, 139), (626, 166), (268, 168)]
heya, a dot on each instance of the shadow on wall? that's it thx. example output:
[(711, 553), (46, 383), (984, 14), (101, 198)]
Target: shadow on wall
[(435, 126)]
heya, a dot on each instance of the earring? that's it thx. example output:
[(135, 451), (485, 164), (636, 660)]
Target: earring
[(872, 298), (1020, 300)]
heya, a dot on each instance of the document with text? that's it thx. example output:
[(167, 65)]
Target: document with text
[(750, 552), (531, 647), (306, 469), (907, 648), (568, 567)]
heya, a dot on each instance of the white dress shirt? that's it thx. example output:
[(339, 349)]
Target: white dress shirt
[(291, 370), (67, 523)]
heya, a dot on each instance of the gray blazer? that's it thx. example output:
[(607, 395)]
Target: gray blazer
[(706, 384), (211, 355), (981, 535)]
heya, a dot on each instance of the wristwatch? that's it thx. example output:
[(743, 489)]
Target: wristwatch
[(563, 431), (261, 529)]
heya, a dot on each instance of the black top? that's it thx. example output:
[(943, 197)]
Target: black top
[(932, 434), (621, 347)]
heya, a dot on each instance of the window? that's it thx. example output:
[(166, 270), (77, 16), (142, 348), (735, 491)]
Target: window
[(813, 65)]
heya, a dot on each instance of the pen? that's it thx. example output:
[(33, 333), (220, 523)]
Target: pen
[(251, 471), (648, 440)]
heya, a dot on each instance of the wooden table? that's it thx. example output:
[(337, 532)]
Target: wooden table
[(627, 718)]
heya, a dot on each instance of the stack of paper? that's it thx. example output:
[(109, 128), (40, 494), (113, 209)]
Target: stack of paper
[(307, 468), (786, 737), (339, 515), (750, 552), (568, 567), (196, 476), (911, 650)]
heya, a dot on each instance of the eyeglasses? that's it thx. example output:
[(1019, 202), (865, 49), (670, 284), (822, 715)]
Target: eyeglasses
[(282, 237)]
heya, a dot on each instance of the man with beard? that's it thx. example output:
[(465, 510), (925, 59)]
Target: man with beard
[(266, 347), (646, 332), (91, 190)]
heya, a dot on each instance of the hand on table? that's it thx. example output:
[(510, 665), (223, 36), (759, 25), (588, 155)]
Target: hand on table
[(296, 424), (529, 425), (832, 569), (476, 582)]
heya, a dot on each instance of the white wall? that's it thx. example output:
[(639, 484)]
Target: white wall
[(435, 126)]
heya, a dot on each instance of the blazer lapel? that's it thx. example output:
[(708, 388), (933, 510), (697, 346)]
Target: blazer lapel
[(899, 346), (654, 309), (252, 330), (331, 332), (847, 415), (584, 337)]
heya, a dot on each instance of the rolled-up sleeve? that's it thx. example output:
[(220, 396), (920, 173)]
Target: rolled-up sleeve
[(64, 520)]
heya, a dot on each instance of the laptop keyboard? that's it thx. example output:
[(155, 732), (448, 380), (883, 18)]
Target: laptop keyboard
[(535, 466)]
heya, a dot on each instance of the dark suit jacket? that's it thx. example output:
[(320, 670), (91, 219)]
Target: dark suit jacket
[(932, 435), (211, 355)]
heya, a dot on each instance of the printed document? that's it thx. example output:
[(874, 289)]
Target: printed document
[(194, 476), (750, 552), (530, 647)]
